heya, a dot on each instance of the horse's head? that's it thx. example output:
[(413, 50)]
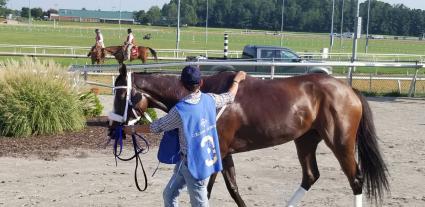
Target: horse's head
[(129, 108)]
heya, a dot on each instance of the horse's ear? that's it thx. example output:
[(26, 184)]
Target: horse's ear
[(123, 69)]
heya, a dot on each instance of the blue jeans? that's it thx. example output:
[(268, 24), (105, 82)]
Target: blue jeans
[(181, 178)]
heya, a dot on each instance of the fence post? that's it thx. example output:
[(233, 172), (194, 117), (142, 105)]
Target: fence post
[(226, 45), (412, 89), (370, 82), (113, 85), (350, 76), (85, 74), (399, 86), (272, 72)]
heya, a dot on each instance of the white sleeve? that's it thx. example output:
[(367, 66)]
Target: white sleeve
[(130, 38)]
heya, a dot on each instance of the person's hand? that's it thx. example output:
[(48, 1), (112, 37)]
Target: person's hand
[(240, 76), (136, 129)]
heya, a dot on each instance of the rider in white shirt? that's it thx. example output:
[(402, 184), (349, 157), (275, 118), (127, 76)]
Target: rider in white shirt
[(129, 43), (99, 38), (99, 41)]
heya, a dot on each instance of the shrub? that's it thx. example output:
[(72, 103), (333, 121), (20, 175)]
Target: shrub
[(36, 98), (91, 104), (152, 114)]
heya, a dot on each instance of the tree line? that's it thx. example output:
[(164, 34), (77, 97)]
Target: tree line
[(299, 15), (36, 13)]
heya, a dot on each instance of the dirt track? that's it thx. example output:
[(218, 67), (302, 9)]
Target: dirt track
[(82, 177)]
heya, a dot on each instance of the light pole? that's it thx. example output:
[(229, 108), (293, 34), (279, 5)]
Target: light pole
[(332, 24), (356, 32), (206, 29), (178, 26), (119, 22), (281, 24), (342, 23), (367, 27), (29, 12)]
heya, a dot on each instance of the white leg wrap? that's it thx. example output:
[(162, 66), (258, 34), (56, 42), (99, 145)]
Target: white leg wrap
[(358, 200), (298, 195)]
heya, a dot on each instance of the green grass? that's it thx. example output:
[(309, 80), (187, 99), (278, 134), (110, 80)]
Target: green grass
[(82, 34)]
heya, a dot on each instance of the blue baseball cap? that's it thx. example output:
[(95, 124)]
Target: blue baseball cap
[(191, 75)]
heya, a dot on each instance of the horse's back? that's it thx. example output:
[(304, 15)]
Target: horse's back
[(284, 109)]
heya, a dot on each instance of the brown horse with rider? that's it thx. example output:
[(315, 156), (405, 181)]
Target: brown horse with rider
[(121, 53)]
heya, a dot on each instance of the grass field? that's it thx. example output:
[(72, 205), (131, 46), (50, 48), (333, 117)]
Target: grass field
[(82, 34)]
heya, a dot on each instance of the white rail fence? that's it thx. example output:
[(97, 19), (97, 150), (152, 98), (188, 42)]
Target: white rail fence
[(173, 54), (81, 52), (111, 70)]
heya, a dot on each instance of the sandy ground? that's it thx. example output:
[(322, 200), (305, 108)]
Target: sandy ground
[(266, 177)]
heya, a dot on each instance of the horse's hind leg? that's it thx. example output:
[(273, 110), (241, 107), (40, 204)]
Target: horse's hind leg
[(345, 153), (306, 150), (229, 175)]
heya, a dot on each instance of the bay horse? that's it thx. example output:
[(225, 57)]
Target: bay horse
[(305, 109), (142, 53), (96, 55)]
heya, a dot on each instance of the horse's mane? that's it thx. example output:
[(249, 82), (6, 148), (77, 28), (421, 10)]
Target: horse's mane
[(219, 82)]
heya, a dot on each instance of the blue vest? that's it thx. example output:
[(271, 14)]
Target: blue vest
[(199, 128)]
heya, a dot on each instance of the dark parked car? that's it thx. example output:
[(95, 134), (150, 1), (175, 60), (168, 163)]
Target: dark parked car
[(267, 53)]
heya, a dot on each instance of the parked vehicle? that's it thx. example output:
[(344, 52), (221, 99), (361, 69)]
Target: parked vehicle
[(266, 53), (348, 35)]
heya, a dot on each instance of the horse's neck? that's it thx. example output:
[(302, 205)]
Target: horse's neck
[(218, 83), (166, 89)]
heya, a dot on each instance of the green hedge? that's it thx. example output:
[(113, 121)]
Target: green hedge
[(36, 98), (91, 104)]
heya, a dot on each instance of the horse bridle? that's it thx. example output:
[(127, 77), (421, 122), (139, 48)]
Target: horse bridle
[(117, 134), (123, 119)]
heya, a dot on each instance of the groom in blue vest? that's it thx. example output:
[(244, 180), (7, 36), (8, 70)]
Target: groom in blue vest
[(190, 140)]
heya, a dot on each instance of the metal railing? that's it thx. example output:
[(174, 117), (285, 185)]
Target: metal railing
[(81, 52), (101, 69), (181, 54)]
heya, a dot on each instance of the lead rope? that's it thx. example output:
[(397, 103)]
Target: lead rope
[(137, 151)]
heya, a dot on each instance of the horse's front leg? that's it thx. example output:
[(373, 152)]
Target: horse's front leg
[(211, 184), (229, 175)]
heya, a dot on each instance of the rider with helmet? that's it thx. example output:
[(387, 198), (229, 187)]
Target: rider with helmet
[(129, 43), (99, 41)]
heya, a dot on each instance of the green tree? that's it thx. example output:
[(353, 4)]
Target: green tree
[(24, 12), (189, 15), (36, 13), (169, 12), (140, 16), (300, 15), (3, 9), (153, 16)]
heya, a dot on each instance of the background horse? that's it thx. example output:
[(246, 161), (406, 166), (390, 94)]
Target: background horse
[(118, 53), (96, 55), (304, 109)]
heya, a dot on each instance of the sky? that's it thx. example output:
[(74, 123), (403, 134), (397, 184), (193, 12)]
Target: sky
[(135, 5)]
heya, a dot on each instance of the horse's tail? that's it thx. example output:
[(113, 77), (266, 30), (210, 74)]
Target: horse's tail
[(153, 53), (371, 163)]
